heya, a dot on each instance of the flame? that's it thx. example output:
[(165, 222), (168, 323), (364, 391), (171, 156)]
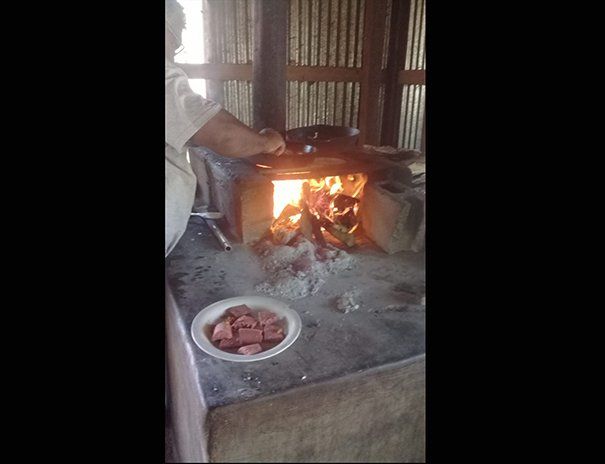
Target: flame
[(323, 194), (286, 192), (290, 191), (331, 183)]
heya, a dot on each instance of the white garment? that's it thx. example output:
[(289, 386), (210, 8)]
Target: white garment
[(186, 113)]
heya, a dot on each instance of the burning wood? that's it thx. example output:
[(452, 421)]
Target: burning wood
[(317, 231), (306, 223), (286, 227), (339, 231), (342, 202), (286, 215), (310, 227), (306, 228), (330, 203), (285, 234), (344, 210)]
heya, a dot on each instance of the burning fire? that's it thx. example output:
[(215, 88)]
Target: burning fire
[(286, 192), (330, 203)]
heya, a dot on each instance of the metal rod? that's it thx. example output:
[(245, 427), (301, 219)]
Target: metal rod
[(218, 234)]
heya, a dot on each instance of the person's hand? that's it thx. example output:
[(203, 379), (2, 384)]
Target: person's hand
[(275, 143)]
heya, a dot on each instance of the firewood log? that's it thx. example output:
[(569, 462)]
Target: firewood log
[(289, 210), (339, 232), (319, 236), (306, 226)]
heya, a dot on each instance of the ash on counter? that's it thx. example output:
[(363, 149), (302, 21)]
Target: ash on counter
[(348, 301), (300, 269)]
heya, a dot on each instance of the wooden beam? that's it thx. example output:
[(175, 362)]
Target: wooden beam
[(270, 21), (398, 39), (322, 74), (412, 76), (373, 38), (243, 72)]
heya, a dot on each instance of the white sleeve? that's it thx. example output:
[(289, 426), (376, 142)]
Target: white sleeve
[(186, 111)]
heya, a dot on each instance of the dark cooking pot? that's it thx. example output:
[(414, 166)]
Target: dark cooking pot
[(326, 139)]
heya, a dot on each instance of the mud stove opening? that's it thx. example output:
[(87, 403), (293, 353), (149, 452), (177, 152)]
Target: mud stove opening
[(342, 200)]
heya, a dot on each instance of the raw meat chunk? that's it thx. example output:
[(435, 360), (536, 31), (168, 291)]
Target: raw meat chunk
[(221, 331), (266, 317), (239, 311), (273, 333), (246, 322), (230, 342), (250, 336)]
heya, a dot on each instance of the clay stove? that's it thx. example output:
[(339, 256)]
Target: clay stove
[(340, 198)]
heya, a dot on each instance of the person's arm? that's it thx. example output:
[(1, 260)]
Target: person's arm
[(228, 136)]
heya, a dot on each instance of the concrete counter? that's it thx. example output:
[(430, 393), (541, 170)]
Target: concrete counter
[(351, 388)]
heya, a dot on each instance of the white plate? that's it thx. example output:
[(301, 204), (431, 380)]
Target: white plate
[(211, 314)]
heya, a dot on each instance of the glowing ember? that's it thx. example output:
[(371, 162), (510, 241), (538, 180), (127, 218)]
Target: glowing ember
[(263, 166)]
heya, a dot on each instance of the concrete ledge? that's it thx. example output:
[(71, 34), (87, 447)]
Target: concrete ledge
[(187, 406), (375, 416)]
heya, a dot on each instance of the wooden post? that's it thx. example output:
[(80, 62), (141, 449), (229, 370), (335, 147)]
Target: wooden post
[(373, 38), (269, 64), (398, 39), (214, 87), (423, 140)]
